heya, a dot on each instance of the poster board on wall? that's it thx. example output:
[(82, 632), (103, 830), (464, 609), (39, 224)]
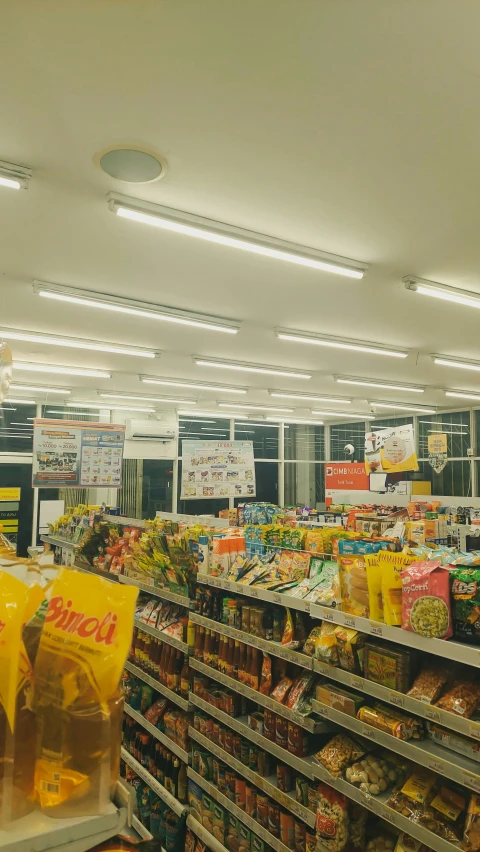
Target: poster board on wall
[(217, 469), (77, 454), (390, 450)]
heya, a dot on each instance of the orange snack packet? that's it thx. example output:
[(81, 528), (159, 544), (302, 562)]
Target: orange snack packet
[(78, 700)]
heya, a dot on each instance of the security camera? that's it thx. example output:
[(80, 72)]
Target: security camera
[(349, 449)]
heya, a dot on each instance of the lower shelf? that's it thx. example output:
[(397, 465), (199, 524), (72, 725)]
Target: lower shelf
[(162, 738), (152, 782), (39, 833), (210, 841)]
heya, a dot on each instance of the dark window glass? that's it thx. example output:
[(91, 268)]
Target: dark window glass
[(157, 482), (455, 426), (453, 481), (266, 475), (304, 484), (347, 433), (386, 422), (202, 429), (263, 435), (16, 428), (304, 442)]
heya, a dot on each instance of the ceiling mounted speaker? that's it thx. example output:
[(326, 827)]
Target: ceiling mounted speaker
[(131, 164), (5, 370)]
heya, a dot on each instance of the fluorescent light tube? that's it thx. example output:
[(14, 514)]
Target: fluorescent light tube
[(56, 369), (463, 395), (257, 407), (250, 368), (7, 409), (203, 386), (80, 413), (373, 383), (299, 422), (39, 389), (107, 406), (403, 407), (342, 414), (257, 425), (445, 361), (215, 414), (20, 401), (132, 307), (197, 421), (442, 291), (338, 343), (302, 397), (442, 431), (152, 399), (73, 343), (228, 235), (14, 435), (14, 177)]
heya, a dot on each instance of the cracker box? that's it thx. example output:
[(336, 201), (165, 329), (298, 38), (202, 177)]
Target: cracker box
[(245, 837), (195, 794), (220, 823), (207, 812), (232, 840), (340, 699)]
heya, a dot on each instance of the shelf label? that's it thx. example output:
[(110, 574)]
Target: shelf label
[(277, 598), (475, 732), (368, 732), (436, 766), (396, 699), (306, 606), (217, 583), (322, 711), (327, 615), (349, 621), (254, 593), (298, 718), (322, 668), (433, 715), (376, 629), (201, 578), (227, 585), (471, 781)]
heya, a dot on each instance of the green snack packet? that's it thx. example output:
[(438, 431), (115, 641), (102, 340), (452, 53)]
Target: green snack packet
[(465, 586)]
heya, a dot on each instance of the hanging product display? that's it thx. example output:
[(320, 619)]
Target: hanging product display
[(390, 450), (223, 469), (437, 451)]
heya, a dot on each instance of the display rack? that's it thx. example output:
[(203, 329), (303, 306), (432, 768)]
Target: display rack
[(210, 841), (155, 591), (254, 592), (163, 636), (154, 732), (158, 687), (152, 782), (56, 541), (39, 833)]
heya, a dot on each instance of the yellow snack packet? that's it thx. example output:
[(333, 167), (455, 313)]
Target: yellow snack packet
[(374, 584), (391, 564), (83, 648)]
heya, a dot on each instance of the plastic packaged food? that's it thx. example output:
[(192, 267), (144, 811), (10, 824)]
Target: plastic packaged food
[(326, 645), (428, 685), (299, 689), (358, 822), (310, 644), (374, 585), (81, 655), (426, 600), (350, 644), (353, 578), (391, 565), (338, 753), (156, 711), (383, 843), (266, 677), (281, 690), (405, 843), (471, 834), (376, 772), (391, 721), (465, 589), (332, 823), (462, 698)]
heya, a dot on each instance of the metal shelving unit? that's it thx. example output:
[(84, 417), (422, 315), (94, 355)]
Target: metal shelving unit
[(159, 687), (180, 752), (156, 592), (255, 592), (164, 637), (39, 833), (59, 542), (267, 785), (152, 782), (210, 841)]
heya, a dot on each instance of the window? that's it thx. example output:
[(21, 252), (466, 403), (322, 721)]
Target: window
[(347, 433), (304, 484), (454, 480), (266, 477), (202, 429), (16, 428), (386, 422), (57, 411), (455, 426), (304, 442), (157, 482), (263, 435)]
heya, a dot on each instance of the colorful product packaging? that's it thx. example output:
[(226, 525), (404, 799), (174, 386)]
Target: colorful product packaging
[(426, 600)]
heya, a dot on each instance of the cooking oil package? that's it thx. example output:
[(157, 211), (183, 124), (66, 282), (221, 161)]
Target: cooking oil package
[(77, 698)]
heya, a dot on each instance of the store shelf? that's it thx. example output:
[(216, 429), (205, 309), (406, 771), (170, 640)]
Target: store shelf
[(125, 522), (39, 833), (377, 805), (152, 782), (182, 600), (210, 841), (448, 720), (164, 637), (142, 832), (159, 687), (255, 592), (304, 721), (237, 812), (241, 726), (274, 648), (59, 542), (424, 752), (206, 520), (91, 569), (180, 752), (456, 651), (267, 785)]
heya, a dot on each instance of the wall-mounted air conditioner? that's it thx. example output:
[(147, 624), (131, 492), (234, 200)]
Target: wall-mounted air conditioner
[(149, 430)]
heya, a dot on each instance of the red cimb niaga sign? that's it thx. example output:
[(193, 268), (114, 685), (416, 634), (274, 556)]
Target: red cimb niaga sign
[(346, 476)]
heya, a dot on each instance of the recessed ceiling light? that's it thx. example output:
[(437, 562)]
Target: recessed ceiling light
[(343, 414), (339, 343), (303, 397), (132, 307), (152, 399), (375, 383), (402, 407), (14, 177), (203, 386), (442, 291), (255, 407), (73, 413), (107, 406), (250, 368), (74, 343), (40, 389), (56, 369), (463, 395), (227, 235), (446, 361)]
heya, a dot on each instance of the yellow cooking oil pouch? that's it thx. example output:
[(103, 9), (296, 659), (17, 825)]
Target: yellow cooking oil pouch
[(81, 655)]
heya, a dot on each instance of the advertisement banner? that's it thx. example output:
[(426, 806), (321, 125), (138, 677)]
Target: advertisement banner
[(437, 451), (346, 476), (217, 469), (390, 450), (76, 454)]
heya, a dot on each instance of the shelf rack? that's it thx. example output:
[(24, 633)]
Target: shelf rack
[(267, 785), (210, 841), (255, 592), (55, 541), (155, 591), (152, 782), (158, 687), (161, 737), (39, 833), (164, 637)]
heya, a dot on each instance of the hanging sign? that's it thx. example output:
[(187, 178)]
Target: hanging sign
[(390, 450), (437, 451), (346, 476), (217, 469), (77, 454)]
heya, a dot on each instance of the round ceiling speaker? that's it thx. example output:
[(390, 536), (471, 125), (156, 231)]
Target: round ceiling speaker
[(132, 165)]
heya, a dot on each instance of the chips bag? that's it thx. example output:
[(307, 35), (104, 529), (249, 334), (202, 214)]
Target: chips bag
[(78, 700)]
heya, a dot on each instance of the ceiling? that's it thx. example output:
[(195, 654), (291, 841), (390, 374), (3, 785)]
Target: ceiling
[(350, 126)]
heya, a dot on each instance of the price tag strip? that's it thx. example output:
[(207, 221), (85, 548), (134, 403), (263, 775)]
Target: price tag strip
[(274, 648), (159, 687), (181, 600), (254, 592), (152, 782), (240, 725), (424, 752), (208, 839), (164, 637), (306, 722), (237, 812), (378, 806), (183, 755), (267, 785)]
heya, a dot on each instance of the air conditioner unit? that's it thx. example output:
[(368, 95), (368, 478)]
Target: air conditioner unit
[(149, 430)]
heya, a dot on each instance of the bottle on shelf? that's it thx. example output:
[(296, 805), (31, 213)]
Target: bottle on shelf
[(182, 784), (178, 666), (185, 678), (170, 679)]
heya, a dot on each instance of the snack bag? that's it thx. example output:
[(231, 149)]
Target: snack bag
[(426, 600), (374, 584), (391, 564), (471, 836), (466, 603), (332, 822), (78, 700)]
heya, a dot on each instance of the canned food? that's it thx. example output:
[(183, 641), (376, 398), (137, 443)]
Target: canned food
[(297, 740), (253, 758), (312, 798), (230, 779), (208, 728), (244, 752), (251, 801), (199, 684), (299, 833), (274, 818), (203, 724), (197, 718), (237, 747), (262, 809), (269, 725), (287, 832), (284, 778), (215, 731), (264, 764), (281, 732), (240, 793)]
